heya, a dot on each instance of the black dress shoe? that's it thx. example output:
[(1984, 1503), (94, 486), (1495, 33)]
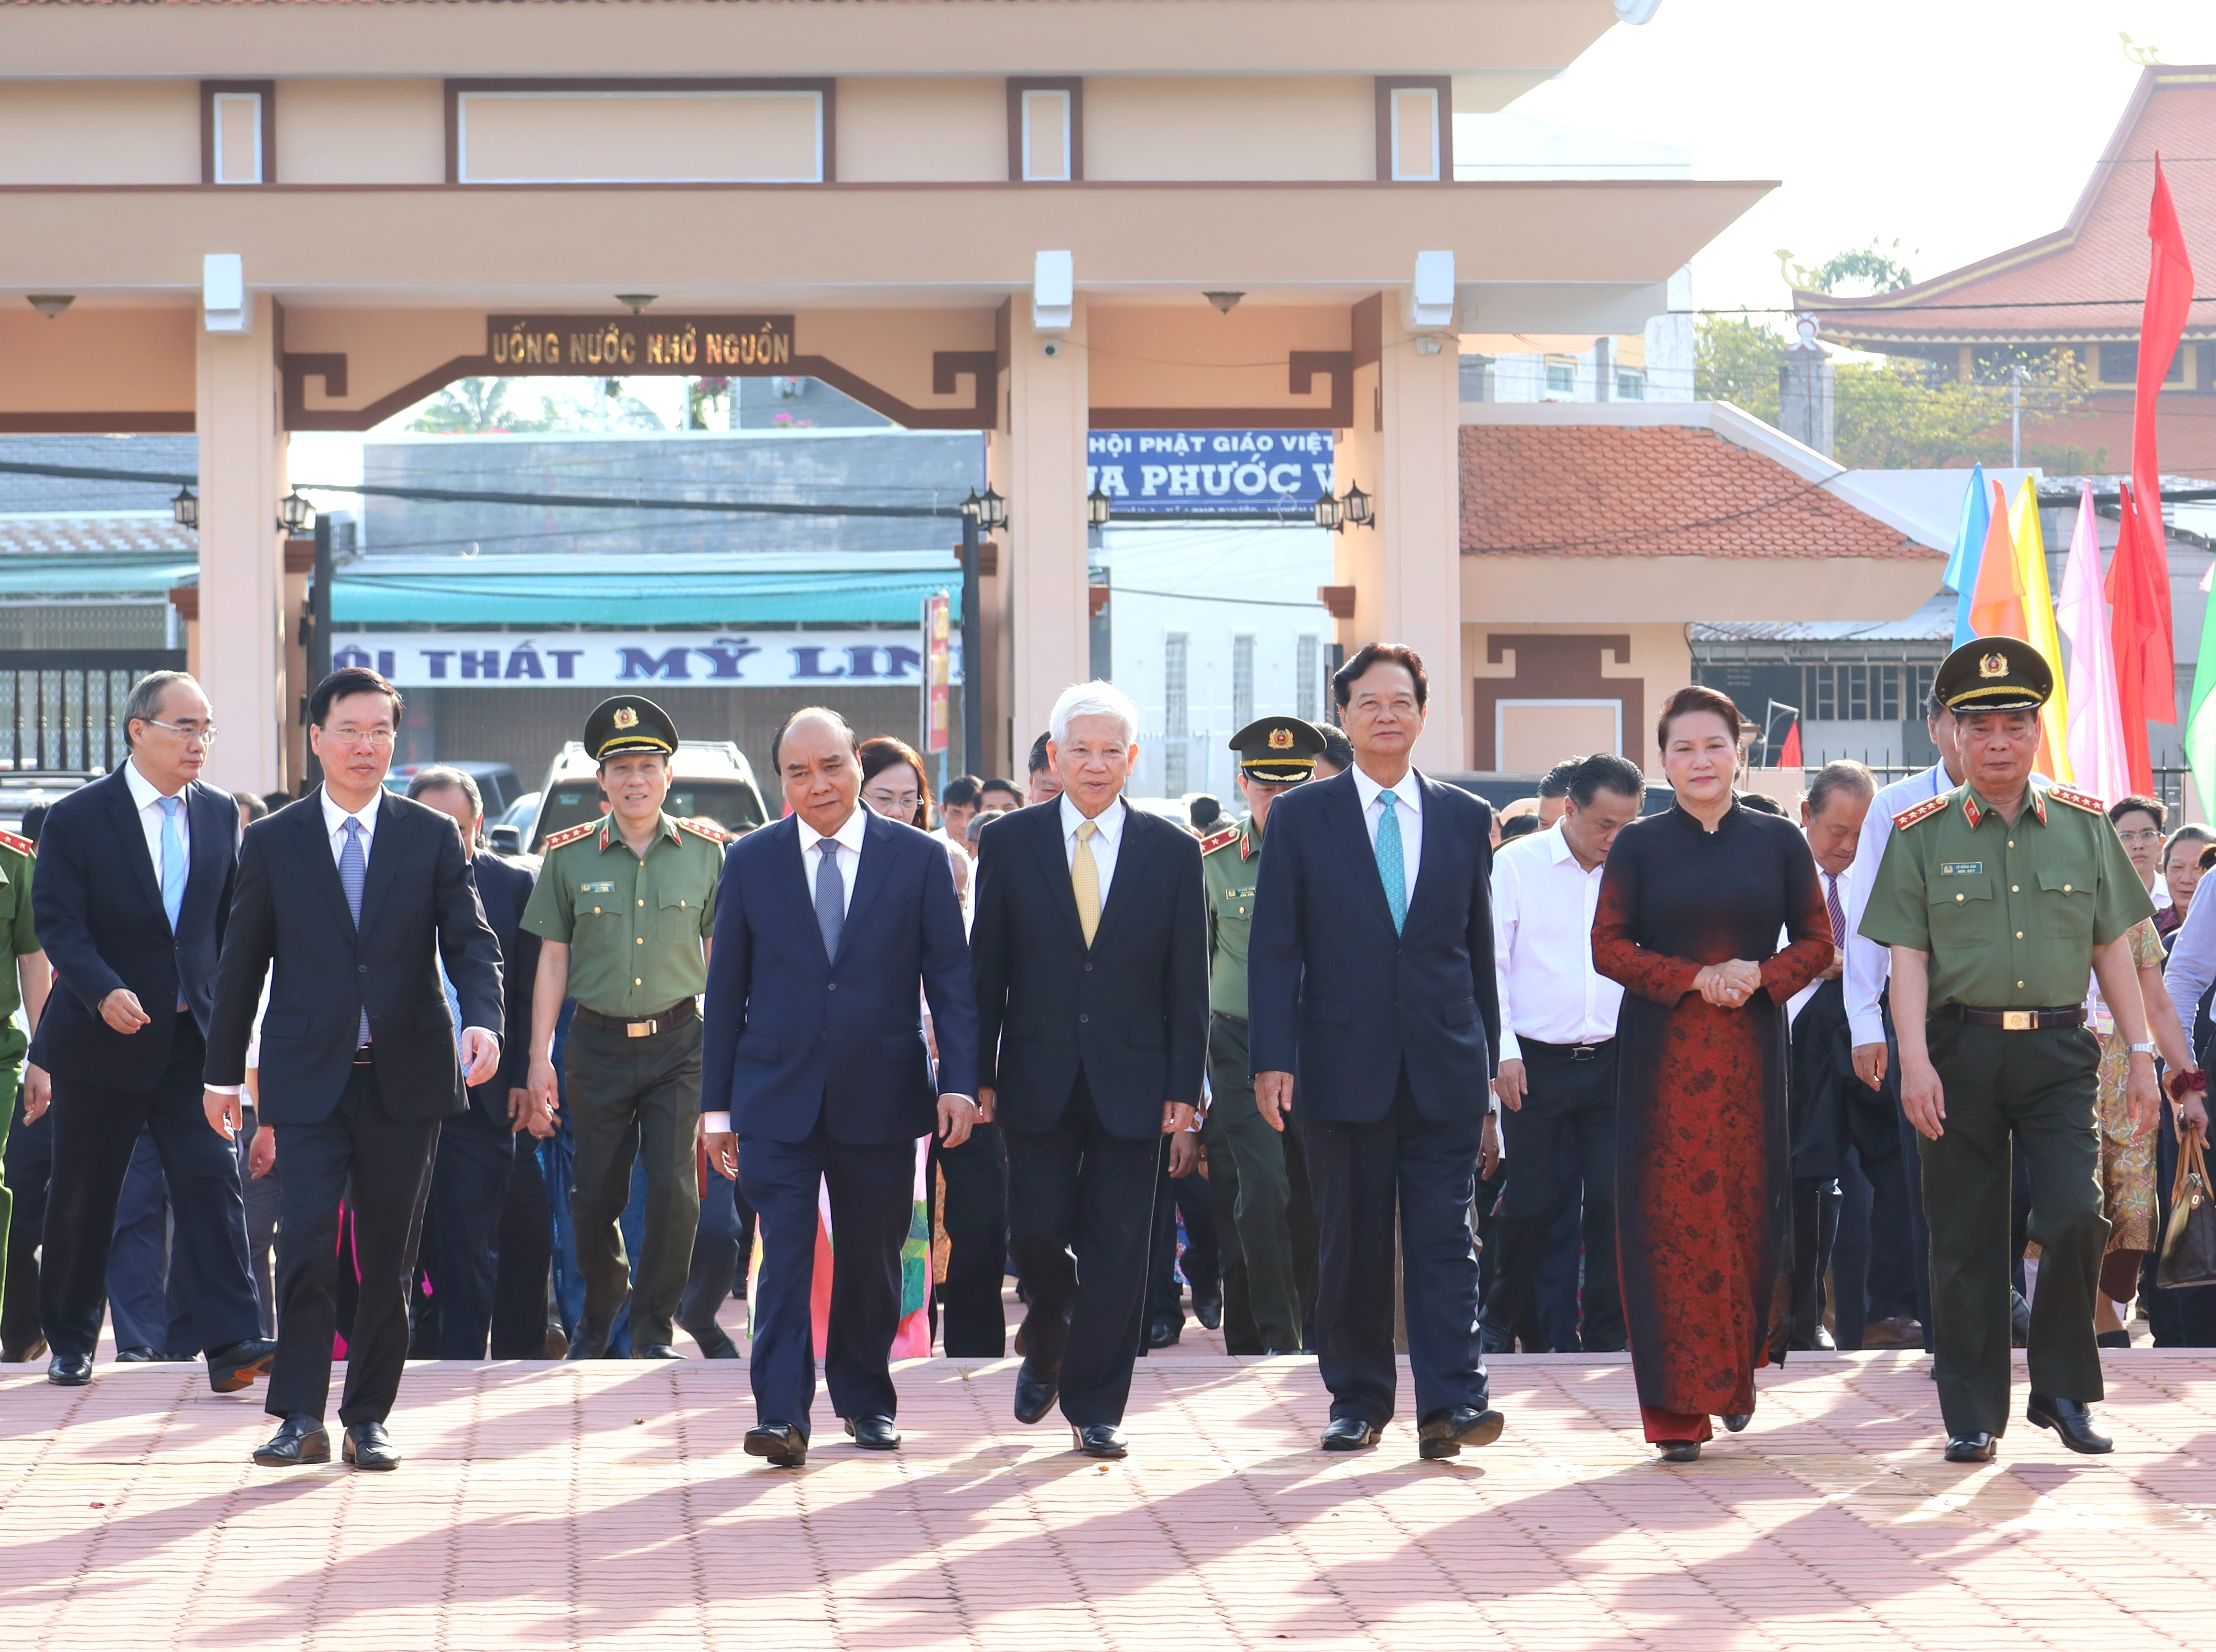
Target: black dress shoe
[(1162, 1333), (70, 1370), (1100, 1440), (1035, 1394), (368, 1446), (2106, 1339), (302, 1440), (873, 1433), (1350, 1434), (29, 1354), (1737, 1420), (782, 1444), (1208, 1310), (2073, 1422), (714, 1341), (1443, 1433), (232, 1368), (654, 1351), (1974, 1448), (137, 1355), (1680, 1451)]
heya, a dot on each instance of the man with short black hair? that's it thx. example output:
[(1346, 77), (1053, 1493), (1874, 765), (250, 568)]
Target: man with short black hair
[(1045, 784), (959, 804), (999, 795), (1554, 789)]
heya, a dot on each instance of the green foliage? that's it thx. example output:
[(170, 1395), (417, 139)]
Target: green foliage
[(471, 405), (1735, 359), (1860, 270)]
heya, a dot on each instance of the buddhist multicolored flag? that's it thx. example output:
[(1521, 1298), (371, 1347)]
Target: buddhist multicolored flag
[(2095, 735), (1997, 604), (2053, 759), (1961, 574)]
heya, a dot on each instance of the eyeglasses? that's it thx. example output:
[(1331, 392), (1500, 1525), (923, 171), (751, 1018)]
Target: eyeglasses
[(899, 804), (379, 738), (185, 731), (2149, 836)]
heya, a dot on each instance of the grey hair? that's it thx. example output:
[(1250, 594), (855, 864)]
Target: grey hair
[(144, 704), (440, 777), (1846, 775), (1093, 699)]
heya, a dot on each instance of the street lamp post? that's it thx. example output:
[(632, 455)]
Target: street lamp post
[(973, 709)]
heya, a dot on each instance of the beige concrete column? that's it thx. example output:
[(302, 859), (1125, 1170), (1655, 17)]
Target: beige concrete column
[(242, 620), (1406, 570), (1040, 466)]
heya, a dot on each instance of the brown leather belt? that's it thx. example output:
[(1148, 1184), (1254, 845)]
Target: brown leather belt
[(2014, 1021), (645, 1027)]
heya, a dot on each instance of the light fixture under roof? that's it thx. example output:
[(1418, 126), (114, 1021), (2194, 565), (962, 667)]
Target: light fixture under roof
[(51, 304), (637, 302), (1226, 302)]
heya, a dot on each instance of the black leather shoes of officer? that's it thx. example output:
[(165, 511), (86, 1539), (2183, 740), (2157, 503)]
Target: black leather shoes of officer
[(2071, 1421), (780, 1443), (300, 1439), (873, 1433), (1443, 1433)]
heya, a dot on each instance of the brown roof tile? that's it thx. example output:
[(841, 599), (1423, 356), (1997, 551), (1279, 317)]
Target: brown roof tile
[(1651, 490)]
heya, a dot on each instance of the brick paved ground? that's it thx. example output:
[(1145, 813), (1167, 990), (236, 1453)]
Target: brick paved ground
[(610, 1505)]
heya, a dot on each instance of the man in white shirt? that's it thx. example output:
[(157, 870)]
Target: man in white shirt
[(1557, 1077)]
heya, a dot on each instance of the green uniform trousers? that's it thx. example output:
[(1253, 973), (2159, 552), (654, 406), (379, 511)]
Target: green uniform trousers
[(1271, 1216), (2034, 1090), (633, 1099), (11, 1074)]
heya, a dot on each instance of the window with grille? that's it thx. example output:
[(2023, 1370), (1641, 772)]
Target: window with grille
[(1878, 692), (1561, 375), (1177, 710), (1242, 680), (1306, 698), (1631, 387)]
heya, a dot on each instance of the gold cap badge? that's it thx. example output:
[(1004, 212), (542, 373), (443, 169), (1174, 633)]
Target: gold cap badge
[(1280, 740), (625, 717), (1991, 665)]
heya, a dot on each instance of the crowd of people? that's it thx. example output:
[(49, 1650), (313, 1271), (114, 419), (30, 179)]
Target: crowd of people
[(1366, 1066)]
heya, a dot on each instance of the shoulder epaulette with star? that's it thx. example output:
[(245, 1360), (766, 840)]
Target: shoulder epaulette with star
[(1922, 811), (1216, 840), (572, 834), (708, 829), (2085, 801), (20, 845)]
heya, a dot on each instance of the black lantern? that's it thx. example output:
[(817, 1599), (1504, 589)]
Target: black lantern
[(294, 514), (973, 507), (186, 507), (1328, 513), (1096, 507), (991, 510), (1354, 505)]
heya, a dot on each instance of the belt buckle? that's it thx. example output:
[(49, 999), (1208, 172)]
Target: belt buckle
[(1581, 1052), (641, 1028), (2019, 1020)]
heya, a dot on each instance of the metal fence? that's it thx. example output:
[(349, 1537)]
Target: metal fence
[(63, 709)]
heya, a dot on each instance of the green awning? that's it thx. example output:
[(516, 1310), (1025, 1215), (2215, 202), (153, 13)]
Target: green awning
[(628, 600), (121, 577)]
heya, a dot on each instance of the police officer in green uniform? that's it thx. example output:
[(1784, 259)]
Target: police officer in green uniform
[(1997, 899), (1254, 1170), (625, 906), (23, 987)]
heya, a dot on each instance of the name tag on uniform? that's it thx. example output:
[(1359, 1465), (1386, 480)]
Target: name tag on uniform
[(596, 888), (1947, 870)]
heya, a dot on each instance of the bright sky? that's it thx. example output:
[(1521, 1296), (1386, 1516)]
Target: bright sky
[(1960, 126)]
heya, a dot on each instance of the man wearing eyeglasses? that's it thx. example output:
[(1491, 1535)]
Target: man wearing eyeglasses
[(131, 901)]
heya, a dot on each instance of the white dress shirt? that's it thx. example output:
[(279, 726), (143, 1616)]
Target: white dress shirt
[(2192, 961), (148, 802), (1104, 842), (847, 856), (335, 819), (1408, 804), (1847, 881), (1542, 916), (1869, 965)]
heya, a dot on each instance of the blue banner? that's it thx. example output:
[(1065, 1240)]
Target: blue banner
[(1212, 472)]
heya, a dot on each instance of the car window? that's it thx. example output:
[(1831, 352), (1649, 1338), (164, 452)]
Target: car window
[(731, 804)]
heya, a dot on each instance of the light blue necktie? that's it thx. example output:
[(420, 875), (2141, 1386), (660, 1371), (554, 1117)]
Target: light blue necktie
[(353, 869), (173, 861), (1389, 867)]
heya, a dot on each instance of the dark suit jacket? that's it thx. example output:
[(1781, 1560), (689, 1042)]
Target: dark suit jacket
[(98, 905), (504, 887), (1341, 1001), (1131, 1011), (419, 899), (1822, 1083), (791, 1035)]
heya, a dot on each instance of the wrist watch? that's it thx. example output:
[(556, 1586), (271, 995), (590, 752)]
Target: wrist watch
[(2141, 1050)]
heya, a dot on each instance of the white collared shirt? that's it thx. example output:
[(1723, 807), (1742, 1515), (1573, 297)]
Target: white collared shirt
[(1104, 842), (1868, 964), (147, 800), (1542, 916), (847, 856), (1408, 807), (1847, 881), (335, 819)]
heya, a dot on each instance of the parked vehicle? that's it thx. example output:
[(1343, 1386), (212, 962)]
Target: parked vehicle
[(498, 784), (709, 780)]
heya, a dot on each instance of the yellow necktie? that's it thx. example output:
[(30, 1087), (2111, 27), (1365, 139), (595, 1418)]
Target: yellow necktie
[(1085, 880)]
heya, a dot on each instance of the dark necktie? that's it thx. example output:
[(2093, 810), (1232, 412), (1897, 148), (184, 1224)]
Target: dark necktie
[(354, 867), (1839, 915), (830, 896)]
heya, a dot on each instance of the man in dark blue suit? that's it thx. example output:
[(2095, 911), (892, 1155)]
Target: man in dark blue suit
[(477, 1150), (132, 897), (814, 1072), (1370, 977)]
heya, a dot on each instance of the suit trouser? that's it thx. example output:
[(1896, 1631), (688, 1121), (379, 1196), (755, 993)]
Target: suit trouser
[(2034, 1090), (872, 1189), (1202, 1264), (11, 1075), (264, 1194), (722, 1247), (1359, 1173), (634, 1100), (468, 1192), (1273, 1221), (96, 1129), (1080, 1211), (526, 1250), (1867, 1131), (1560, 1155), (29, 1160), (973, 1324), (381, 1166), (143, 1305)]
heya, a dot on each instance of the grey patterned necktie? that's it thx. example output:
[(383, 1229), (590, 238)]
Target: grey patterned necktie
[(353, 869), (830, 896)]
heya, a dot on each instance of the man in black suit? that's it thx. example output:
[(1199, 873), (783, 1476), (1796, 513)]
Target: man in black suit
[(133, 887), (357, 898), (1371, 977), (815, 1077), (469, 1174), (1091, 952)]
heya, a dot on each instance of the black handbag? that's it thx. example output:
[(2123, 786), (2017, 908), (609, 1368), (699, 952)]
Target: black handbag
[(2188, 1241)]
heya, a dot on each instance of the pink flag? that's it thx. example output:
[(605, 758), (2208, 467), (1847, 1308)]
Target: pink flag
[(2095, 737)]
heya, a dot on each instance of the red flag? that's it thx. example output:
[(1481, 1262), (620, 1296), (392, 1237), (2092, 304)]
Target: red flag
[(1790, 757), (2162, 324), (2132, 628)]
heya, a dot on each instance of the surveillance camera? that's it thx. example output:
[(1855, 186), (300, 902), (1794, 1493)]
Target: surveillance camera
[(1053, 347)]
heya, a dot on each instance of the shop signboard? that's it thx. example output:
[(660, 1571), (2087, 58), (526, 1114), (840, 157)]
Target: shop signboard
[(1210, 472), (725, 659)]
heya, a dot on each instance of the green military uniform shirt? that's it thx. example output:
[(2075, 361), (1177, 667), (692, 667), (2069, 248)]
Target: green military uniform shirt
[(2010, 914), (633, 926), (17, 862), (1229, 861)]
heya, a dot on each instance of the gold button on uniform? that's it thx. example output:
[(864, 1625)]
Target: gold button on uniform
[(636, 982), (2065, 888), (2015, 889), (641, 941), (1959, 897), (2019, 935), (2019, 985)]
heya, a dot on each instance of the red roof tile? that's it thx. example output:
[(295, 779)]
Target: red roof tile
[(1651, 490)]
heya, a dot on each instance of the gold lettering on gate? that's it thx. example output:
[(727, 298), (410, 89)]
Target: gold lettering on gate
[(737, 346)]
